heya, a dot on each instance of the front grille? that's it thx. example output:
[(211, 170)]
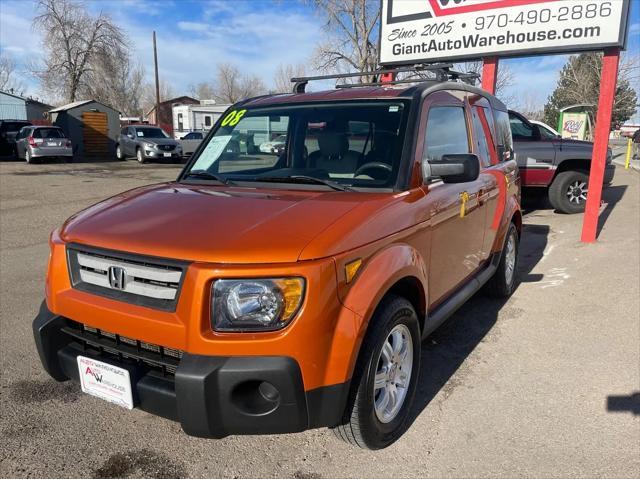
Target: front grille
[(117, 347), (166, 147), (141, 280)]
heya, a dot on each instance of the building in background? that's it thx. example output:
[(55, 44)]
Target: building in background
[(15, 107), (91, 126), (192, 117), (165, 117)]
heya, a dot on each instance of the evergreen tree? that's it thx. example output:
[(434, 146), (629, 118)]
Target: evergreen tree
[(579, 83)]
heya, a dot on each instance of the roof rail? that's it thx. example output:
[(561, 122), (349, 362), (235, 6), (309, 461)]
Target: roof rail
[(442, 73)]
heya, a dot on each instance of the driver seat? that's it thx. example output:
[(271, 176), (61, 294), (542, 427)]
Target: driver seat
[(334, 156)]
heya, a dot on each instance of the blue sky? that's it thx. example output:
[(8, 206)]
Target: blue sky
[(257, 35)]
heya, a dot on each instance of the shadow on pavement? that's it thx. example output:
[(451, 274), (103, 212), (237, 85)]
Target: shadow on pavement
[(611, 196), (447, 348), (630, 403)]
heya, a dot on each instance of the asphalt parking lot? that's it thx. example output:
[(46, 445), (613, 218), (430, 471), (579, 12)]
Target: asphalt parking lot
[(544, 385)]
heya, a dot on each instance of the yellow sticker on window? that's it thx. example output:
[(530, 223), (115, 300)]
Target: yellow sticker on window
[(233, 118)]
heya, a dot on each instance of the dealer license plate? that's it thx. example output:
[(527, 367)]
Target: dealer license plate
[(105, 381), (167, 154)]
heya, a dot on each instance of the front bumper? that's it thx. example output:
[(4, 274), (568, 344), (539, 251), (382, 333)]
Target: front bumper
[(211, 396), (159, 155)]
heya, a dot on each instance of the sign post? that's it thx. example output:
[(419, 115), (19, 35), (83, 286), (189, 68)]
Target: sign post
[(610, 64), (490, 74)]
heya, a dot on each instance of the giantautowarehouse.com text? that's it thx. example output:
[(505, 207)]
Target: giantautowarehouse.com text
[(482, 41)]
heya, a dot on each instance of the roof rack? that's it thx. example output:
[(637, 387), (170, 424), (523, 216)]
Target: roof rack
[(442, 71)]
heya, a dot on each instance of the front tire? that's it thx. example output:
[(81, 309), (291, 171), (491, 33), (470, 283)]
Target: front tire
[(119, 154), (140, 156), (385, 377), (28, 158), (568, 192), (502, 283)]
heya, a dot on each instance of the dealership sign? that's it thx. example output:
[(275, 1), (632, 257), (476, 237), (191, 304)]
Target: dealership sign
[(416, 31)]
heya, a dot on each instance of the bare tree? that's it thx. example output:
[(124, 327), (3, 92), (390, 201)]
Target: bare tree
[(231, 86), (202, 91), (8, 80), (284, 74), (351, 35), (72, 41), (148, 95), (505, 78)]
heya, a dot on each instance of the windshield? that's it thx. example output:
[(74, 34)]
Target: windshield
[(151, 133), (345, 144)]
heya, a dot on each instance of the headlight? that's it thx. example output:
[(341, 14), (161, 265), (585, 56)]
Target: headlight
[(149, 146), (255, 304)]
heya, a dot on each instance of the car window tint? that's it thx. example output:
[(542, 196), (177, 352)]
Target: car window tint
[(503, 135), (546, 133), (446, 132), (520, 130), (150, 132), (483, 128), (48, 133)]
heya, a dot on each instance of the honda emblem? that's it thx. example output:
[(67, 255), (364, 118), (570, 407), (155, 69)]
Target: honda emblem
[(117, 277)]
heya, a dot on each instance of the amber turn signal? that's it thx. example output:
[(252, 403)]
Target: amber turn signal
[(351, 269)]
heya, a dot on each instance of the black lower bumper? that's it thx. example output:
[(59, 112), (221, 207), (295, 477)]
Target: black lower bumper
[(211, 396)]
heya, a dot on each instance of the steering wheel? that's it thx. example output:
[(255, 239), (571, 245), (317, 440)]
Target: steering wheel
[(377, 165)]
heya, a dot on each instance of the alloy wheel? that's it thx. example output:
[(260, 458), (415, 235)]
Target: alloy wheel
[(510, 259), (577, 192), (393, 373)]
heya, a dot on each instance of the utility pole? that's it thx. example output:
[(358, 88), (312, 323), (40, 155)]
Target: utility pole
[(155, 60)]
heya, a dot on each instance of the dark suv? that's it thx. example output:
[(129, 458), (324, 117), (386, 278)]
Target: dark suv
[(8, 131), (561, 165)]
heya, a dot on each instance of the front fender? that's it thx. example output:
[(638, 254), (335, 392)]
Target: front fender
[(361, 298)]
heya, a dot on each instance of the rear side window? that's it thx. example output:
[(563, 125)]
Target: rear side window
[(446, 132), (520, 130), (48, 133), (503, 135), (483, 128)]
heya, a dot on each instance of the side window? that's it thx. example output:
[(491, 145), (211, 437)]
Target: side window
[(483, 128), (207, 121), (520, 130), (447, 132), (503, 135)]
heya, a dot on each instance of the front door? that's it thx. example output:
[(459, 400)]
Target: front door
[(457, 212)]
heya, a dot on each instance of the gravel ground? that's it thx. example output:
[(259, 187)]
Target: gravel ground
[(546, 384)]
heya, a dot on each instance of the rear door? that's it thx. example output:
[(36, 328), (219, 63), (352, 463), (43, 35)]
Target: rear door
[(535, 155)]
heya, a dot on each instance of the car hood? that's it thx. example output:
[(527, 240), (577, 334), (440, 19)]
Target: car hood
[(160, 141), (218, 224)]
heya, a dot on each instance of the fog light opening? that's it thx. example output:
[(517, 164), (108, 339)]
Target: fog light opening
[(256, 397)]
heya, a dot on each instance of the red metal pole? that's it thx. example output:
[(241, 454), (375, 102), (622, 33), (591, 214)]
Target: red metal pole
[(490, 74), (610, 63)]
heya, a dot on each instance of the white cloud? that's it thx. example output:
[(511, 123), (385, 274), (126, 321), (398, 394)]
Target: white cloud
[(193, 26)]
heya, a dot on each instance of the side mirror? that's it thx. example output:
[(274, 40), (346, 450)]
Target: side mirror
[(130, 136), (460, 168)]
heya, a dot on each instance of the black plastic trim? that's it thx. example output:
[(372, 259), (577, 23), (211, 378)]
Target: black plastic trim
[(211, 396)]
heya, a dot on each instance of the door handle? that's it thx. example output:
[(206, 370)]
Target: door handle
[(482, 193)]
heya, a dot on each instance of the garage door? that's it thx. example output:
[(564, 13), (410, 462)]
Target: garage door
[(95, 133)]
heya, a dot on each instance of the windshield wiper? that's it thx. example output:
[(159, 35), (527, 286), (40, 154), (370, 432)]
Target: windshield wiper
[(203, 174), (303, 179)]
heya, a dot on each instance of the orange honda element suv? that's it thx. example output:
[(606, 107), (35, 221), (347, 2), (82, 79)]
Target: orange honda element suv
[(273, 290)]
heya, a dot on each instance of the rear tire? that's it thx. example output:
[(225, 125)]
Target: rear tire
[(502, 283), (384, 379), (568, 192), (140, 156)]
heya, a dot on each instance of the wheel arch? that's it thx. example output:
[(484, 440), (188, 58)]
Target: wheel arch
[(405, 275), (573, 164)]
